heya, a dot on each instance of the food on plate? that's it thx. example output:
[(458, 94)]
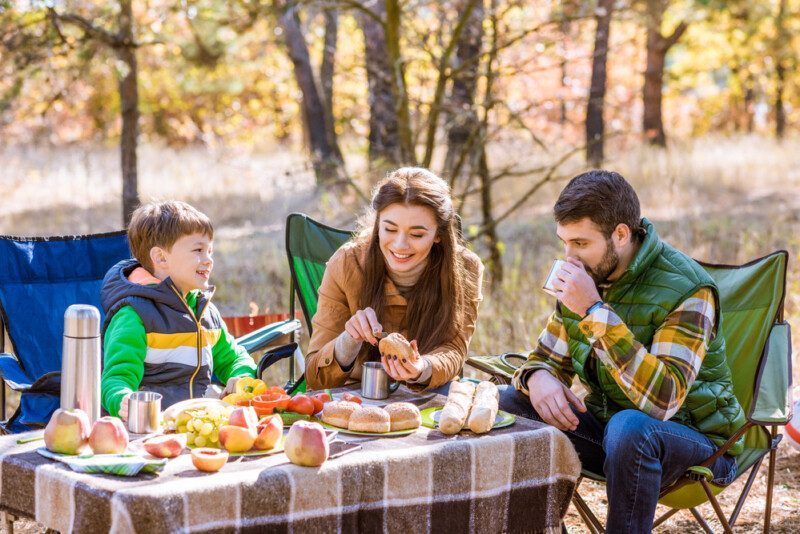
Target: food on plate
[(202, 425), (396, 345), (237, 438), (250, 386), (306, 444), (324, 397), (67, 432), (352, 397), (369, 419), (244, 416), (166, 446), (209, 460), (269, 429), (266, 403), (456, 409), (301, 404), (403, 416), (108, 436), (171, 413), (337, 413), (484, 408)]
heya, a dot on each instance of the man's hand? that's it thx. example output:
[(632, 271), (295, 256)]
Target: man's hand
[(123, 407), (575, 288), (230, 386), (551, 399)]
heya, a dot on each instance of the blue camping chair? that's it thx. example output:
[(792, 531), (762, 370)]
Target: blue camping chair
[(39, 279)]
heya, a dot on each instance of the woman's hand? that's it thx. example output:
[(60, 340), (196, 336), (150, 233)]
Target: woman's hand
[(363, 326), (404, 370)]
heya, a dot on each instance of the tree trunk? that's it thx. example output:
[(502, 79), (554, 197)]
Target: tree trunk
[(495, 266), (463, 118), (657, 47), (780, 71), (326, 75), (384, 133), (398, 82), (129, 102), (595, 126), (323, 155)]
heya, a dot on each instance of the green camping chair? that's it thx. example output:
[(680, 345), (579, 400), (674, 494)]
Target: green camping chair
[(309, 246), (759, 355)]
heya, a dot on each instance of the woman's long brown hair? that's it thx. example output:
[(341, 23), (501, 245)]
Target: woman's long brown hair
[(436, 302)]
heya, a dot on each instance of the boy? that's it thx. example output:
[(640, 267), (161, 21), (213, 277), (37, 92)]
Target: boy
[(161, 332)]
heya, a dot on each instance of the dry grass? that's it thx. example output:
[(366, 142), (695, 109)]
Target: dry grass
[(721, 200)]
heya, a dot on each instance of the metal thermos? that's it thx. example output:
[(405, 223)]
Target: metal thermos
[(81, 360)]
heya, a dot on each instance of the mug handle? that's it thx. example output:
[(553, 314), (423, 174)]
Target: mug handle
[(393, 385)]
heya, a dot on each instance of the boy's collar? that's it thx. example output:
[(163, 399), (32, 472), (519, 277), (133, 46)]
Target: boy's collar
[(143, 277)]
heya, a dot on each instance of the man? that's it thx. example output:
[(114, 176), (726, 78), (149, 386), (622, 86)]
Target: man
[(637, 322)]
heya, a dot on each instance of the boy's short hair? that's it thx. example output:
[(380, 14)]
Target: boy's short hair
[(605, 197), (161, 224)]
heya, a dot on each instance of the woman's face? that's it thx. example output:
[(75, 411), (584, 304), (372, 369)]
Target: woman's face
[(406, 235)]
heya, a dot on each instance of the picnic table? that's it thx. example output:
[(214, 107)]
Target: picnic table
[(516, 478)]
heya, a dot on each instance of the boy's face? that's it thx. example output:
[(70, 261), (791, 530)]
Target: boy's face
[(188, 262)]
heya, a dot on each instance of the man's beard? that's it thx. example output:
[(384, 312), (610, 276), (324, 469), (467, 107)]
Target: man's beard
[(608, 264)]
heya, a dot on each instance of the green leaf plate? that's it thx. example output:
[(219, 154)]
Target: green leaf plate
[(430, 418)]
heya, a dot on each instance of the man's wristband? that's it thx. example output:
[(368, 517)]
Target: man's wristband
[(592, 308)]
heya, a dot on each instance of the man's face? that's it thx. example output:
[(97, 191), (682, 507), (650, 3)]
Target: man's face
[(584, 241), (189, 262)]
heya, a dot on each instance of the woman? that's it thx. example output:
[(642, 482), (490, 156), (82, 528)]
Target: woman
[(406, 272)]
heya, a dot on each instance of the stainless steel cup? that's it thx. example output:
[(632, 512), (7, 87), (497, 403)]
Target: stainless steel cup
[(551, 277), (144, 412), (375, 383)]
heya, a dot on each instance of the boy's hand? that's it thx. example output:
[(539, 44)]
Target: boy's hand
[(123, 407), (230, 386)]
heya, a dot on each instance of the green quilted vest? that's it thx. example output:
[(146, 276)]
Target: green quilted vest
[(658, 280)]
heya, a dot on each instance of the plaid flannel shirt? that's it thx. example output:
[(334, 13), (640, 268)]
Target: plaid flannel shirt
[(657, 378)]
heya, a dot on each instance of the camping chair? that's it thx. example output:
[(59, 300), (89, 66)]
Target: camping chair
[(309, 246), (759, 354), (39, 279)]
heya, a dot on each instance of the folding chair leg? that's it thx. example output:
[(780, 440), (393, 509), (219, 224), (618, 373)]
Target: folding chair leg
[(700, 520), (745, 492), (666, 515), (717, 508), (770, 477), (8, 522), (586, 514)]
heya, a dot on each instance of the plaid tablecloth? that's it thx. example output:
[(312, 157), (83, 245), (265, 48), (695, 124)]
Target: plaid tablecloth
[(519, 478)]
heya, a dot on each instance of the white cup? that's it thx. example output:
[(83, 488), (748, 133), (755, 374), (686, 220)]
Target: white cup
[(548, 284)]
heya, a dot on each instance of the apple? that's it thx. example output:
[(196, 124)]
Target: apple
[(237, 438), (208, 459), (67, 432), (108, 436), (270, 430), (306, 444), (244, 416), (166, 446)]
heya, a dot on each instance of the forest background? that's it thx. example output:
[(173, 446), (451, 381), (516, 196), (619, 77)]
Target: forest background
[(253, 109)]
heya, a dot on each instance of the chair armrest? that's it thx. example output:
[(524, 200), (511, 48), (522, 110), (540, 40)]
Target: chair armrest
[(266, 334), (771, 403), (12, 373)]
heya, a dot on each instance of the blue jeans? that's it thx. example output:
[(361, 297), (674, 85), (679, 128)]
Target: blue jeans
[(638, 454)]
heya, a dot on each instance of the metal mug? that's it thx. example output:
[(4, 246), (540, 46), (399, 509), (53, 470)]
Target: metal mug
[(144, 412), (375, 383), (551, 277)]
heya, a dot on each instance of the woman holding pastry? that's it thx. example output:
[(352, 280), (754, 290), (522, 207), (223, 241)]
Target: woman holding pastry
[(405, 274)]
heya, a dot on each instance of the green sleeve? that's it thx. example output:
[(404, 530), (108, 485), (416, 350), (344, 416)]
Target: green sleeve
[(124, 351), (230, 358)]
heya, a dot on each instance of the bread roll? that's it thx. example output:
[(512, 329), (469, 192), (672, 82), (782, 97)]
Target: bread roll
[(337, 413), (456, 409), (396, 345), (484, 408), (403, 416), (370, 419)]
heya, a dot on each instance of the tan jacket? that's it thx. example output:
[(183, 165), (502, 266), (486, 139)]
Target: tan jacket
[(339, 297)]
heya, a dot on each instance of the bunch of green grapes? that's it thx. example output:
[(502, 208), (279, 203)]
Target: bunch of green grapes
[(202, 425)]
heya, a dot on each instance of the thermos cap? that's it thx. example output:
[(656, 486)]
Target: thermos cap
[(82, 320)]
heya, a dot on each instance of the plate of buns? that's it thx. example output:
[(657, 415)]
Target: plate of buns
[(395, 419), (469, 406)]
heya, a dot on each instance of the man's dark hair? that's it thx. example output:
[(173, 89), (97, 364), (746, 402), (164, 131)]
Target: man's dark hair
[(605, 197)]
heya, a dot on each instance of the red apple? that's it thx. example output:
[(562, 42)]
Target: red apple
[(166, 446), (67, 432), (306, 444), (108, 436), (244, 416), (209, 460), (270, 430), (237, 438)]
